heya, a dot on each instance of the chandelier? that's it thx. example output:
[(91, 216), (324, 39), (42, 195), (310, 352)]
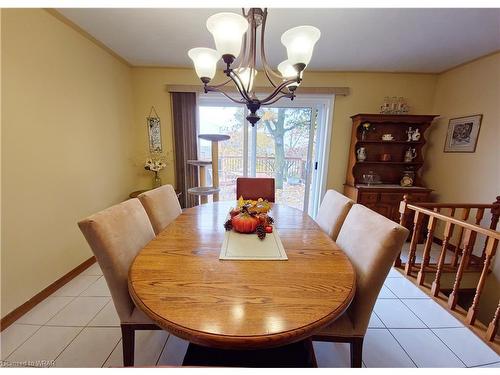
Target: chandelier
[(228, 30)]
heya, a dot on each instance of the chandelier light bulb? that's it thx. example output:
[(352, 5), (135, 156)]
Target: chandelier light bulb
[(227, 30), (247, 77), (299, 42), (287, 70), (205, 62)]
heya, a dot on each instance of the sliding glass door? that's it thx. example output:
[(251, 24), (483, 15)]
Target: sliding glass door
[(288, 144)]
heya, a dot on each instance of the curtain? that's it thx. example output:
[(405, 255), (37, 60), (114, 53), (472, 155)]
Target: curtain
[(184, 114)]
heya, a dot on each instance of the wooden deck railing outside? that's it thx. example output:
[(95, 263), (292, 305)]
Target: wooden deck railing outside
[(459, 236)]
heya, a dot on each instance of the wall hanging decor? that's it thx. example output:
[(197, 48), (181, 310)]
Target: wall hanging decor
[(154, 131), (463, 133), (394, 106)]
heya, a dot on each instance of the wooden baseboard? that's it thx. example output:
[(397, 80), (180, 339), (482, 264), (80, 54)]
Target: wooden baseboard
[(11, 317)]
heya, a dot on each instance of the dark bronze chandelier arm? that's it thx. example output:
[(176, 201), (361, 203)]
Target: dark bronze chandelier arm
[(243, 50), (221, 84), (267, 69), (245, 60), (253, 44), (278, 90), (285, 95), (240, 86), (212, 89), (269, 77)]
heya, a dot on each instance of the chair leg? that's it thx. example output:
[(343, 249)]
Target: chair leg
[(356, 352), (128, 342)]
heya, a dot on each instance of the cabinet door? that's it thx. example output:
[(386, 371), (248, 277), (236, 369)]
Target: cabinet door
[(383, 209)]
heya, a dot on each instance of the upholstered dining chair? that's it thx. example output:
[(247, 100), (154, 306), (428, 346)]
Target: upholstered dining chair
[(332, 212), (255, 188), (372, 243), (161, 205), (115, 236)]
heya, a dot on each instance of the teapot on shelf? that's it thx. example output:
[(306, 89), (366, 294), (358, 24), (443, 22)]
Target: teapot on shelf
[(410, 154)]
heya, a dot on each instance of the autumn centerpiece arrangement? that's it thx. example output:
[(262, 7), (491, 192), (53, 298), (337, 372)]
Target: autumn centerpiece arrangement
[(251, 217)]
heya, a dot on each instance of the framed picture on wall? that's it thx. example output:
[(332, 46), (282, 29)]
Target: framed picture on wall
[(154, 131), (463, 133)]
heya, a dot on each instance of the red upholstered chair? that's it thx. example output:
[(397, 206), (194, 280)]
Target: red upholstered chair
[(255, 188)]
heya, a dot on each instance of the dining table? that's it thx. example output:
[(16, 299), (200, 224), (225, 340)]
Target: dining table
[(242, 312)]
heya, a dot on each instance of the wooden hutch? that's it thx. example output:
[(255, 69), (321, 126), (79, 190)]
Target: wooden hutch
[(384, 197)]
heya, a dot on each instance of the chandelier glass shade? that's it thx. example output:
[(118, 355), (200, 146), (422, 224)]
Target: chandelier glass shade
[(236, 38)]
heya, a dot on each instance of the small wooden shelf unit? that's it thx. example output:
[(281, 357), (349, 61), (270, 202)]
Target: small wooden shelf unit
[(384, 198)]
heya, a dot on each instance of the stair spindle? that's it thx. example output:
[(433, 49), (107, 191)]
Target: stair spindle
[(431, 226), (492, 330), (491, 246), (414, 241), (469, 239), (436, 284), (495, 214), (479, 218), (403, 221), (458, 250)]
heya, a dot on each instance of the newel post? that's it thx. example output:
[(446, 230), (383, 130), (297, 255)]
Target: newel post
[(403, 221), (495, 214)]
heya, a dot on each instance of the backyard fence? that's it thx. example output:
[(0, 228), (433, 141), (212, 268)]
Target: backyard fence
[(294, 167)]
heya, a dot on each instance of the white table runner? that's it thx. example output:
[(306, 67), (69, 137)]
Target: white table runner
[(239, 246)]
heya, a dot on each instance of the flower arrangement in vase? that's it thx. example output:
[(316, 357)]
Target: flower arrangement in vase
[(251, 217), (155, 164)]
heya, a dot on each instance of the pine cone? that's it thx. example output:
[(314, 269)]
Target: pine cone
[(270, 220), (261, 231), (228, 225)]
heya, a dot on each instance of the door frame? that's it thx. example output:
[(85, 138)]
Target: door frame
[(324, 134)]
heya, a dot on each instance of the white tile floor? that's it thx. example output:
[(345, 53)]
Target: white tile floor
[(78, 327)]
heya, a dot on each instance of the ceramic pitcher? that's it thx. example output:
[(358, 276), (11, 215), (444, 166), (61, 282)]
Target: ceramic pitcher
[(410, 154), (361, 153)]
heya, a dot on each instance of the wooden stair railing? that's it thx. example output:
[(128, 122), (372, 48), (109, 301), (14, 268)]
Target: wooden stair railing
[(427, 216)]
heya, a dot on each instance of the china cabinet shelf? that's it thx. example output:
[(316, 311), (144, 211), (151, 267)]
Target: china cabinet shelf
[(384, 198), (392, 142), (391, 162)]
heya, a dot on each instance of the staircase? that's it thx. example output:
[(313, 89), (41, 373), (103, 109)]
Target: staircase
[(450, 256)]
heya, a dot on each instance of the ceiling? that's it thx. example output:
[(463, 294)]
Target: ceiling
[(407, 40)]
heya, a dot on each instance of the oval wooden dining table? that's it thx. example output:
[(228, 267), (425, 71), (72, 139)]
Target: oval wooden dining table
[(179, 282)]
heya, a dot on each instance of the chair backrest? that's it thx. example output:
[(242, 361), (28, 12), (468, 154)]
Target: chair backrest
[(115, 236), (161, 205), (332, 212), (372, 242), (255, 188)]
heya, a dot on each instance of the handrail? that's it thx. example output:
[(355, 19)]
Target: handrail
[(456, 205), (472, 227), (463, 258)]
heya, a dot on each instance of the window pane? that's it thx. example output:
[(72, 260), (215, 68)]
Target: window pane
[(282, 150), (223, 120)]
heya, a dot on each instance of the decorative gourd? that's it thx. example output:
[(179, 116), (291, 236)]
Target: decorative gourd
[(244, 222)]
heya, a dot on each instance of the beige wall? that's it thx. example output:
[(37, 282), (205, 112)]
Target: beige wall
[(0, 148), (469, 177), (367, 91), (66, 147)]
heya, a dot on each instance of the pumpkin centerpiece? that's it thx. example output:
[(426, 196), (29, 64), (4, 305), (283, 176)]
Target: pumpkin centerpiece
[(244, 222), (251, 216)]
